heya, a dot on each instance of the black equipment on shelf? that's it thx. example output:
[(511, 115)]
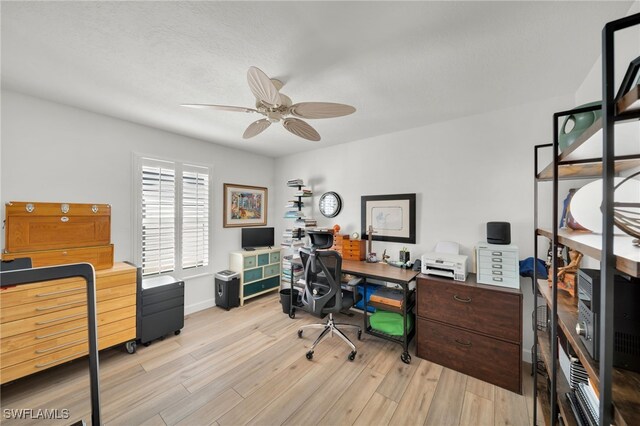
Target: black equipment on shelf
[(626, 320)]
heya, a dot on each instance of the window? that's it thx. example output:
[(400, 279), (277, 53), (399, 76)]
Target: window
[(174, 216), (158, 219), (195, 217)]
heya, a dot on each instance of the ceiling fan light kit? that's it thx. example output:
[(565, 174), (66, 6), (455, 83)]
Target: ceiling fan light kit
[(276, 106)]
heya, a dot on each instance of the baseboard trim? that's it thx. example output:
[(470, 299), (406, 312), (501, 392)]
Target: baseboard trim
[(195, 307)]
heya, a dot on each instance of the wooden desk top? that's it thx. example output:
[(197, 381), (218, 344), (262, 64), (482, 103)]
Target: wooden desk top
[(380, 271)]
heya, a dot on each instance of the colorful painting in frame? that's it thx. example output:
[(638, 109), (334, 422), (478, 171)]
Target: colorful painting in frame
[(244, 205)]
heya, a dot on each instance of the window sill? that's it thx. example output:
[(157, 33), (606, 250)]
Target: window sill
[(192, 277)]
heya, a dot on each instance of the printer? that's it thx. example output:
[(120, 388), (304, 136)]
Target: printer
[(445, 265)]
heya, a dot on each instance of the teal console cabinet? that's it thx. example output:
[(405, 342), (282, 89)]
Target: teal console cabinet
[(259, 271)]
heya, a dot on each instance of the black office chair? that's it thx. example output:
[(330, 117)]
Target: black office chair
[(323, 293)]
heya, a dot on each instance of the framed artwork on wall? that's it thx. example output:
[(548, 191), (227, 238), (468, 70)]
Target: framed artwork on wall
[(244, 205), (393, 217)]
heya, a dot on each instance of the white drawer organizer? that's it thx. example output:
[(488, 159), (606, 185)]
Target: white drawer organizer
[(498, 265), (259, 271)]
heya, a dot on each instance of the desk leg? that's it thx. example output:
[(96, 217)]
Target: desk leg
[(364, 304), (405, 357)]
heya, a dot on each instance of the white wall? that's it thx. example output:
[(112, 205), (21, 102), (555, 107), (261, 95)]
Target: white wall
[(465, 173), (52, 152), (627, 48)]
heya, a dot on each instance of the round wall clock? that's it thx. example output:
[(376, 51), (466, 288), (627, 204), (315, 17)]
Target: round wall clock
[(330, 204)]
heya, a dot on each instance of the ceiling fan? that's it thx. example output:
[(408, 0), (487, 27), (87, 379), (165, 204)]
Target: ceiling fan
[(276, 106)]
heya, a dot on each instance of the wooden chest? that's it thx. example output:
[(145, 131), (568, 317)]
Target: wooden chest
[(59, 233), (354, 249), (472, 328), (45, 324), (338, 241), (100, 257)]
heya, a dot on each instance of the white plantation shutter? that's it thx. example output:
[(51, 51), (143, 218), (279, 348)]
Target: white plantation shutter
[(195, 217), (158, 217)]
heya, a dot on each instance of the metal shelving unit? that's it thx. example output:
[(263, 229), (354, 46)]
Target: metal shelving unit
[(298, 234), (618, 392)]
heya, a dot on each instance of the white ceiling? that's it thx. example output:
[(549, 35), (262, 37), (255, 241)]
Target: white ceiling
[(401, 64)]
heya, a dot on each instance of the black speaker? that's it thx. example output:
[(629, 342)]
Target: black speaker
[(498, 232)]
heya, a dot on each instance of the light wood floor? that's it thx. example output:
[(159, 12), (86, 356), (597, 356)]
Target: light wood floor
[(247, 366)]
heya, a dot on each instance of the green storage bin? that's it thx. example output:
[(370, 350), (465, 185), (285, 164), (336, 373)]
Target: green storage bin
[(390, 322)]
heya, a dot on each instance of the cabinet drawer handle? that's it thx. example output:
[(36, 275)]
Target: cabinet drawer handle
[(496, 253), (467, 300), (497, 272), (496, 259), (46, 308), (60, 319), (496, 266), (55, 361), (60, 292), (55, 348), (462, 343), (499, 279), (60, 332)]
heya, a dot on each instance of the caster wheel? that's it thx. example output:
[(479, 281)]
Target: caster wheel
[(161, 338), (359, 334), (300, 334), (292, 314), (177, 332), (310, 355), (406, 358), (147, 344), (352, 355), (130, 347)]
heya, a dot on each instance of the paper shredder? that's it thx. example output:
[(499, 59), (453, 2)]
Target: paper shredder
[(227, 289)]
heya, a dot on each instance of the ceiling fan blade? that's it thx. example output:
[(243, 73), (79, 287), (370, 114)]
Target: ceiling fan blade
[(320, 110), (220, 107), (300, 128), (262, 87), (256, 128)]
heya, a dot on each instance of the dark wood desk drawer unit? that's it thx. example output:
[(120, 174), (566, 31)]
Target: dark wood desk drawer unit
[(472, 328)]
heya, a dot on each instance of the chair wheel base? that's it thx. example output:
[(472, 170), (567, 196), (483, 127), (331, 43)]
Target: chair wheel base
[(310, 355), (352, 355)]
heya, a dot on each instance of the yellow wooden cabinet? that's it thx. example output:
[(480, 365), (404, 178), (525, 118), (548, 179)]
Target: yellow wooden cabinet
[(45, 324)]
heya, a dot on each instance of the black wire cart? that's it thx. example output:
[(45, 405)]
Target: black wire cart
[(402, 277), (81, 270)]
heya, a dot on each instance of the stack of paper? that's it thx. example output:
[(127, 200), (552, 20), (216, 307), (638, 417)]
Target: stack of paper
[(293, 204), (293, 233), (306, 222), (295, 182), (293, 214), (304, 192)]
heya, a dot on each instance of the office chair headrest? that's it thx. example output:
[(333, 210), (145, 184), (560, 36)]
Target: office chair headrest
[(321, 239)]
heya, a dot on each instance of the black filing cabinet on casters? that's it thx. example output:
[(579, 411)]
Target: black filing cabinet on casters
[(160, 308)]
